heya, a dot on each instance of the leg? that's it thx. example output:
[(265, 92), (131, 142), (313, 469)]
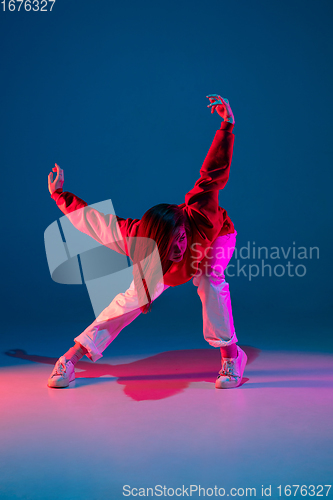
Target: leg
[(121, 312), (213, 290), (95, 339), (218, 324)]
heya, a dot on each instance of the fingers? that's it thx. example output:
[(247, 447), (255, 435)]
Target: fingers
[(58, 181), (216, 103), (57, 168), (216, 95), (216, 99), (221, 106), (60, 172)]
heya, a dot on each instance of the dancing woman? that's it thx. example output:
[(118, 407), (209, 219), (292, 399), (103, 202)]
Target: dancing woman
[(195, 240)]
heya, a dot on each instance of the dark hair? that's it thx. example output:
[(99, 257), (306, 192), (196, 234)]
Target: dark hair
[(159, 224)]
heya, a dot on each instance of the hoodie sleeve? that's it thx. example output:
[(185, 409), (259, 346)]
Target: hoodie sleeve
[(109, 230), (202, 202)]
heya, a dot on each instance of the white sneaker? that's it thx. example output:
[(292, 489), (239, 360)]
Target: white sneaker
[(232, 370), (63, 373)]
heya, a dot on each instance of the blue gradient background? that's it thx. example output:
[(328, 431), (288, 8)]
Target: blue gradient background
[(115, 93)]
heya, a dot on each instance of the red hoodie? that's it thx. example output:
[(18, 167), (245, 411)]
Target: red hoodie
[(206, 218)]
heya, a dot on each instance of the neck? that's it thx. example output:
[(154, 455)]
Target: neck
[(169, 264)]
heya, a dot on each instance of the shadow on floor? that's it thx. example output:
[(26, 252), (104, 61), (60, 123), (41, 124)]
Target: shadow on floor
[(155, 377)]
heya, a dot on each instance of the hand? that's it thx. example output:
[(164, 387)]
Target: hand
[(222, 106), (59, 180)]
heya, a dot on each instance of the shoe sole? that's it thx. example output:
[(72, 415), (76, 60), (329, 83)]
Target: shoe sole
[(232, 385)]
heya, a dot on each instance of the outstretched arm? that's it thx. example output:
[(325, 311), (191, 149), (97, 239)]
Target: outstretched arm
[(107, 229)]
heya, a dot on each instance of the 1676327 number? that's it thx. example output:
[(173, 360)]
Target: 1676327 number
[(28, 5), (304, 490)]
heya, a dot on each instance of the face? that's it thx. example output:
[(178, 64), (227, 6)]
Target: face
[(178, 246)]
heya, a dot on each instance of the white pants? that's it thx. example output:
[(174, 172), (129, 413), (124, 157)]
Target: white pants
[(213, 290)]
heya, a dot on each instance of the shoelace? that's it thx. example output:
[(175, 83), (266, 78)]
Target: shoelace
[(60, 369), (227, 369)]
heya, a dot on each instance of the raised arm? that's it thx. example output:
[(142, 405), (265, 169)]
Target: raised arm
[(203, 199)]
